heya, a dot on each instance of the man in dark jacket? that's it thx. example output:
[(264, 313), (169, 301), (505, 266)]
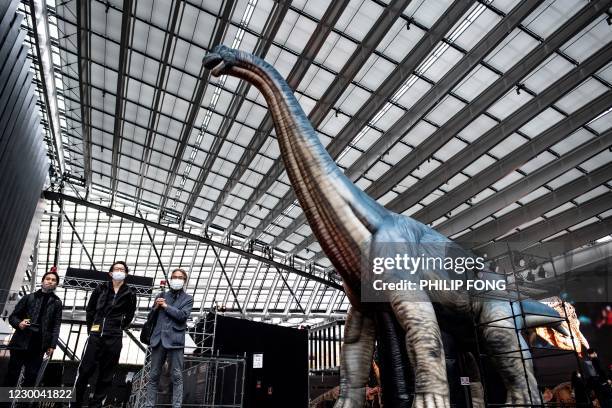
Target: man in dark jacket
[(110, 310), (37, 318), (168, 337)]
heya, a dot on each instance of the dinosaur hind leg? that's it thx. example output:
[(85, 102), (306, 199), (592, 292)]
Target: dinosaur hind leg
[(395, 370), (505, 348), (356, 359), (425, 350)]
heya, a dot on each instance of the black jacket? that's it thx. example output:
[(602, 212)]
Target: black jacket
[(108, 313), (29, 307)]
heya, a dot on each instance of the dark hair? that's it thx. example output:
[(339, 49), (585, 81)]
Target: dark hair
[(127, 270), (179, 270), (51, 273)]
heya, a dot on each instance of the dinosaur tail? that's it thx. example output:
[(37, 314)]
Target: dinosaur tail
[(537, 314)]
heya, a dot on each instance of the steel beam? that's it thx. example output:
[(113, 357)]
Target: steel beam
[(67, 350), (291, 292), (38, 14), (273, 24), (329, 98), (565, 243), (162, 78), (299, 69), (247, 298), (469, 61), (135, 340), (196, 101), (121, 89), (296, 285), (579, 237), (232, 277), (247, 30), (159, 261), (487, 98), (520, 188), (76, 233), (592, 258), (84, 71), (132, 78), (539, 206), (135, 124), (229, 282), (50, 195), (499, 133), (552, 225)]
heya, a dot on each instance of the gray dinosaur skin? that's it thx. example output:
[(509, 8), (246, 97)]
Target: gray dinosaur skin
[(344, 220)]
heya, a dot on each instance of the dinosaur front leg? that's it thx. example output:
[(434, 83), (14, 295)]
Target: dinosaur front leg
[(425, 350), (356, 359), (505, 347)]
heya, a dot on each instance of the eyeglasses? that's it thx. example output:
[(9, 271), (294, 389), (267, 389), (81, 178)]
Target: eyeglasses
[(118, 269)]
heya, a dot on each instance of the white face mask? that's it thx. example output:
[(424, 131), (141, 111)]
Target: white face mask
[(176, 284), (118, 276)]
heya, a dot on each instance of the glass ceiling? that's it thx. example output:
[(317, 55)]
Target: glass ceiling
[(480, 118)]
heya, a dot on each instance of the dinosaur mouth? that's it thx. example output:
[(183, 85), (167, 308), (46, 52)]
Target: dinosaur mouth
[(215, 63)]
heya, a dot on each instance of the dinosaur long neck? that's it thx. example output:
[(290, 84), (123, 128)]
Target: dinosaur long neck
[(341, 216)]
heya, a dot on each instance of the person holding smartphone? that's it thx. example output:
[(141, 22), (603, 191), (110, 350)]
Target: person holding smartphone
[(36, 318), (168, 337)]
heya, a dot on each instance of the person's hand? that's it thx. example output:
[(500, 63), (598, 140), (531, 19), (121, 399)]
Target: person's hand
[(160, 302), (24, 323), (50, 351)]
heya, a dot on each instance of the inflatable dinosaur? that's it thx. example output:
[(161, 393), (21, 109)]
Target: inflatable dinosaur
[(347, 223)]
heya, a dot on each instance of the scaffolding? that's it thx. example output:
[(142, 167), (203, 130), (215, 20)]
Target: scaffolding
[(90, 284), (521, 280), (209, 380)]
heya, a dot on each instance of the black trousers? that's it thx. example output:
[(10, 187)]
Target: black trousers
[(31, 359), (102, 353)]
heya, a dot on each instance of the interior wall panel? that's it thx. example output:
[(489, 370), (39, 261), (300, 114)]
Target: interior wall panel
[(23, 160)]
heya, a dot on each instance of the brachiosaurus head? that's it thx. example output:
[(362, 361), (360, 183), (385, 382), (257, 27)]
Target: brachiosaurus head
[(221, 60)]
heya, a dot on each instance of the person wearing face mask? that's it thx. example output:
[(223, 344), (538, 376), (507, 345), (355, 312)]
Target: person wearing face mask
[(110, 310), (168, 337), (36, 319)]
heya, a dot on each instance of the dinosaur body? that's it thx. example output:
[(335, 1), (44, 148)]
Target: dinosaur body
[(347, 224)]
